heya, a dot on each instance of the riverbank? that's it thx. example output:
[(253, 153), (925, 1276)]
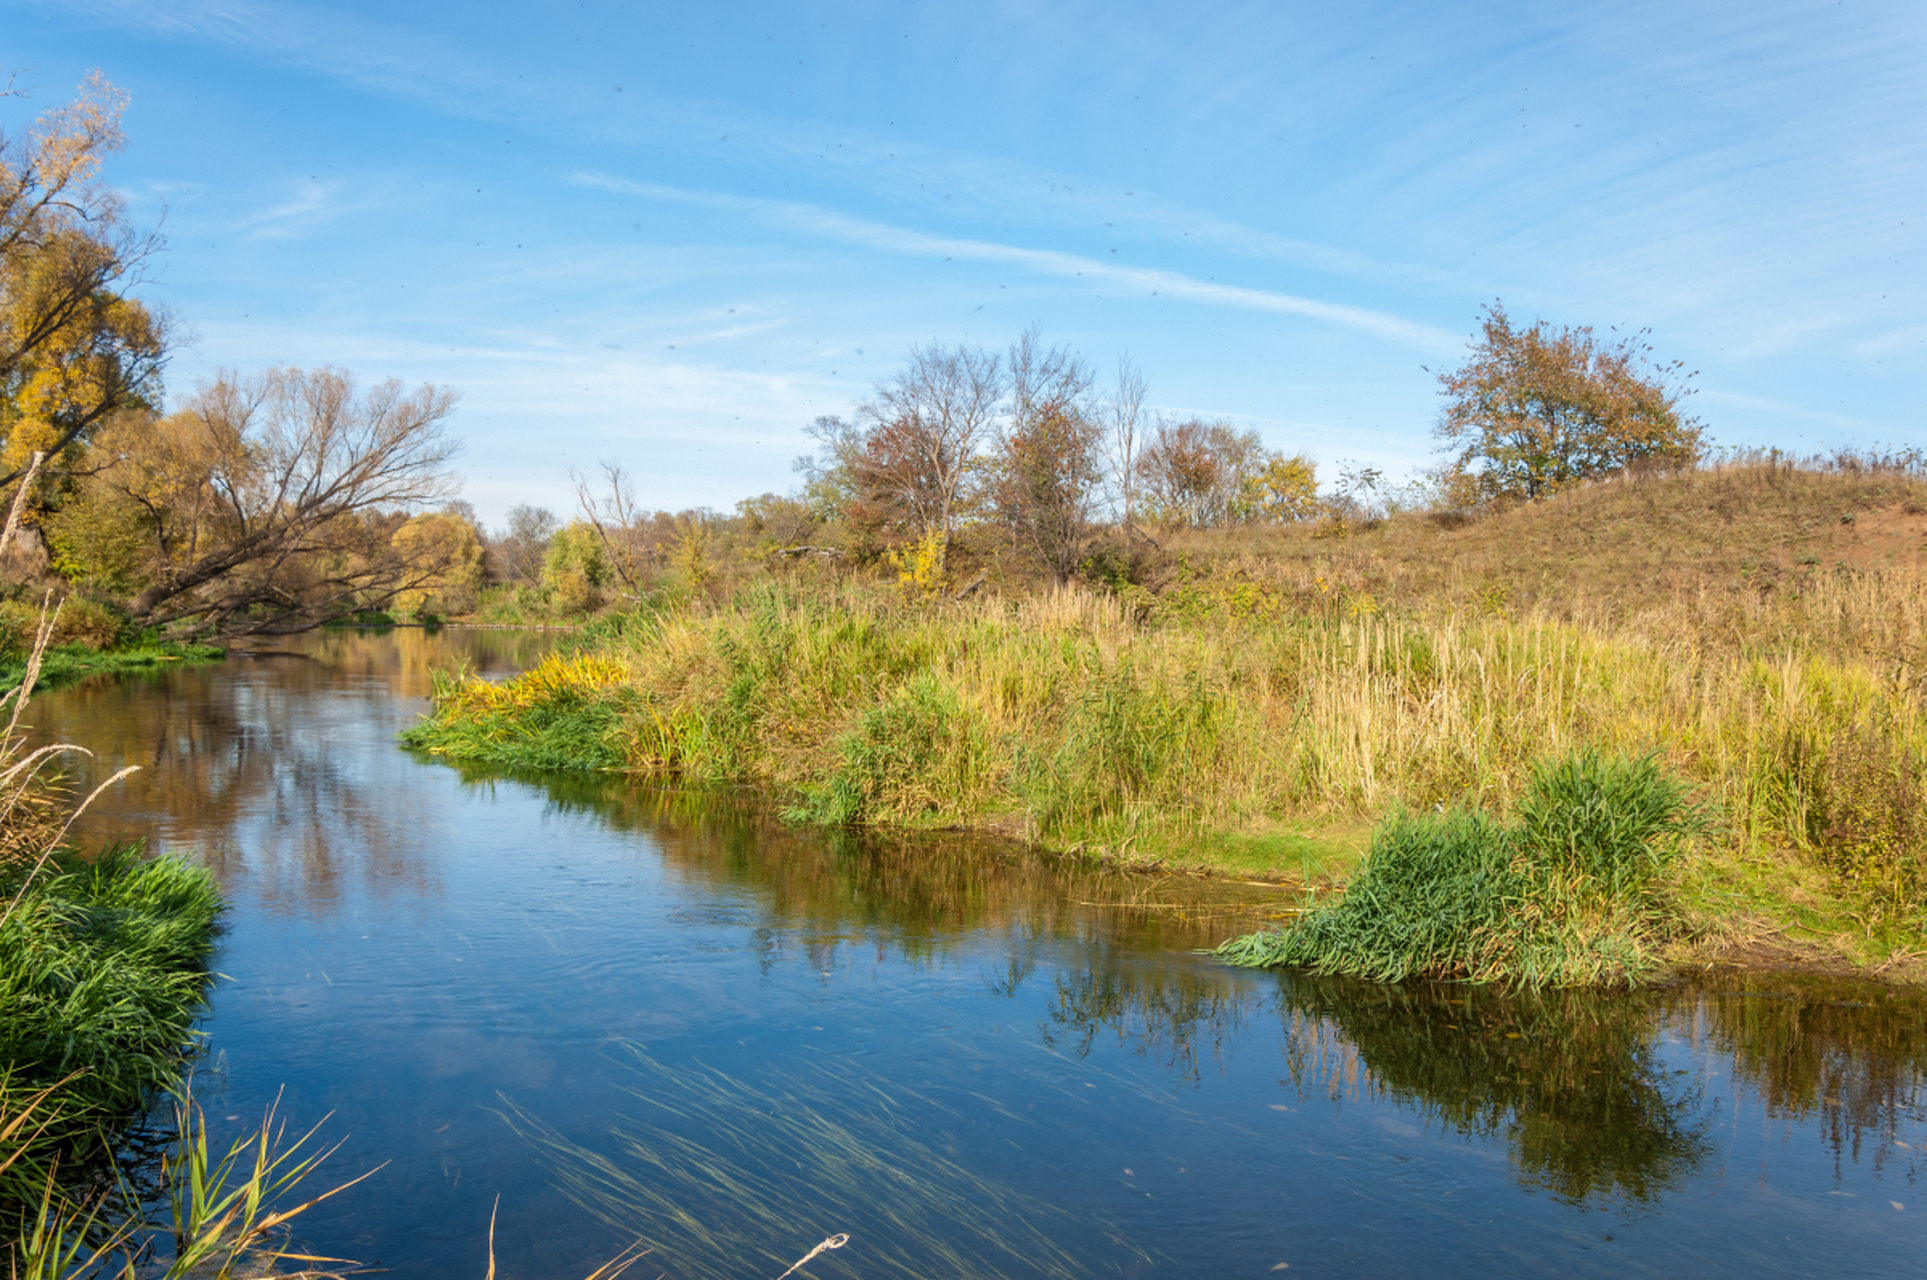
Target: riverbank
[(64, 664), (1260, 708), (103, 970)]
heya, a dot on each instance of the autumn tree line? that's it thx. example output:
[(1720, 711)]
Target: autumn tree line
[(1028, 463), (273, 501)]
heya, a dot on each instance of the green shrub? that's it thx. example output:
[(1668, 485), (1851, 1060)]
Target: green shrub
[(1570, 892), (913, 756)]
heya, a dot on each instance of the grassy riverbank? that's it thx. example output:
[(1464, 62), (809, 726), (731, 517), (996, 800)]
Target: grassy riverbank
[(64, 664), (103, 969), (85, 639), (1263, 704)]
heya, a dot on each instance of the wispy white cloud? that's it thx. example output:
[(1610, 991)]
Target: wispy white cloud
[(1145, 281), (1908, 340), (538, 404), (407, 62), (311, 204)]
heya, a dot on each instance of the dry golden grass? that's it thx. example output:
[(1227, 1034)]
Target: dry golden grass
[(1724, 538)]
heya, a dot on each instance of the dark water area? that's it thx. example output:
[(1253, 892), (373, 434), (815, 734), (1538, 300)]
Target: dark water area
[(631, 1012)]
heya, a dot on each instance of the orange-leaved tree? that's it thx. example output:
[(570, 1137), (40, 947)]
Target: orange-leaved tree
[(1537, 410)]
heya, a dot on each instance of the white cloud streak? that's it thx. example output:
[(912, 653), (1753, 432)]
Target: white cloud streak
[(1146, 281)]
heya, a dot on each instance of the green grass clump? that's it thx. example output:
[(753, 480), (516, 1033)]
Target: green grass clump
[(103, 968), (563, 713), (64, 664), (1570, 892)]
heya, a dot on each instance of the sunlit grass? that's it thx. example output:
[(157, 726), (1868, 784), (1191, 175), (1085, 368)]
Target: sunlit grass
[(1571, 890), (1282, 692), (560, 714)]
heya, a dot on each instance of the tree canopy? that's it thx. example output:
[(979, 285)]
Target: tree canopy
[(1533, 411), (74, 348), (267, 503)]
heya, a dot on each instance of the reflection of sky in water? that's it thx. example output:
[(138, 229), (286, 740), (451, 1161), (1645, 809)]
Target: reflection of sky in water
[(714, 1030)]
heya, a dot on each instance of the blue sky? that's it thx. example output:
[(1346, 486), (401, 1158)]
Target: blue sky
[(671, 235)]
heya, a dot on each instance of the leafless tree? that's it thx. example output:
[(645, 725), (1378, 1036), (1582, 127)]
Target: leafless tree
[(618, 521), (1123, 417), (924, 428), (270, 501), (518, 549), (1047, 466)]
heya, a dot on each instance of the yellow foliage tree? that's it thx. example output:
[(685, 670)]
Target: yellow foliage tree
[(1284, 489), (450, 543), (74, 348), (576, 570)]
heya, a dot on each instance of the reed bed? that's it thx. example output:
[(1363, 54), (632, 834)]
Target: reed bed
[(1572, 891), (1076, 720)]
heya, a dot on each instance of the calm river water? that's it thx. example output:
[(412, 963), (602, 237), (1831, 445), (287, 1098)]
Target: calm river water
[(636, 1013)]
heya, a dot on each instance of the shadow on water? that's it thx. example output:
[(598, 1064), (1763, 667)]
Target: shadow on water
[(919, 892), (1572, 1082)]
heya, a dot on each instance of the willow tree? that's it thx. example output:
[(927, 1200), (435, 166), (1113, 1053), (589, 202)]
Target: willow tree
[(74, 348), (266, 504), (1537, 410)]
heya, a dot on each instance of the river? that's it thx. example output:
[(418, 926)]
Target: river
[(625, 1012)]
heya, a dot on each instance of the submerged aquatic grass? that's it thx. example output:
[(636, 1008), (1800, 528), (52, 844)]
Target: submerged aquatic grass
[(721, 1176), (1569, 892)]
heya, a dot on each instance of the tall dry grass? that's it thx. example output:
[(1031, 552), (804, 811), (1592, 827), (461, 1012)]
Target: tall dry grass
[(1082, 720)]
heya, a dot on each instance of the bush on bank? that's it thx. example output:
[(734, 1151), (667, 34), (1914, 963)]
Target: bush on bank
[(1571, 892)]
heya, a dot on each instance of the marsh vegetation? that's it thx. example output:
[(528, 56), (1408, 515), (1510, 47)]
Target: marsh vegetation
[(1256, 702)]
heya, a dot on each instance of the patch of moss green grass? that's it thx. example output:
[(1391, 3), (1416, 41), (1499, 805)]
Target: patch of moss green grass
[(1760, 907), (552, 717), (103, 969), (1572, 890), (67, 663)]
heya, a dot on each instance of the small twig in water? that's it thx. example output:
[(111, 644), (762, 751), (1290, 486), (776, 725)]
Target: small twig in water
[(836, 1241)]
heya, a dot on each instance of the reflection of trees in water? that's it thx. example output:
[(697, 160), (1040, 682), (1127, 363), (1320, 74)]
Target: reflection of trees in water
[(250, 765), (1570, 1080), (916, 892), (1852, 1058), (1575, 1082), (1171, 1011), (1112, 935)]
